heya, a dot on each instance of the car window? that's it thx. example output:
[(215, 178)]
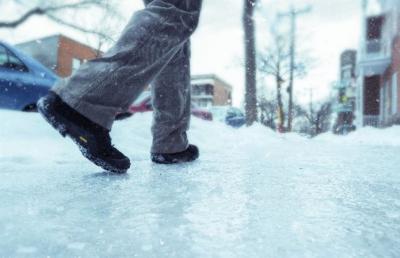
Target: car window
[(235, 111), (9, 61), (3, 56)]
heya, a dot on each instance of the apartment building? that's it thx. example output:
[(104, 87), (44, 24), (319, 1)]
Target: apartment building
[(378, 94), (61, 54), (209, 90)]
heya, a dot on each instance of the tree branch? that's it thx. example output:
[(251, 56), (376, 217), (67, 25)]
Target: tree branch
[(52, 9), (23, 18), (81, 29)]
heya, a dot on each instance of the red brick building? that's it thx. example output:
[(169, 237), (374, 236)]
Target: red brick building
[(61, 54), (209, 90), (378, 98)]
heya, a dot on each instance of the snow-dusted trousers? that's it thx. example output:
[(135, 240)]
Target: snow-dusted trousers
[(154, 49)]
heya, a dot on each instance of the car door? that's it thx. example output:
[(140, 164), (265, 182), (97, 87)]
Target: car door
[(16, 81)]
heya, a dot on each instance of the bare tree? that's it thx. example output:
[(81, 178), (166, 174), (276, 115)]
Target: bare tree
[(268, 114), (60, 12), (275, 61), (108, 28), (318, 117), (250, 61)]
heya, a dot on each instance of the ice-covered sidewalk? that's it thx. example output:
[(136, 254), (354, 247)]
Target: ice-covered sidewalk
[(253, 193)]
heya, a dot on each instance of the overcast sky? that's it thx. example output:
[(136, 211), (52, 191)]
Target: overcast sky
[(330, 28)]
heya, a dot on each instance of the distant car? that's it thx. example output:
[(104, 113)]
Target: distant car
[(143, 104), (235, 117), (23, 80), (229, 115)]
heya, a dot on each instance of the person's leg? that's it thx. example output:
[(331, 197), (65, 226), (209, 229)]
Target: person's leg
[(154, 36), (84, 106), (172, 104)]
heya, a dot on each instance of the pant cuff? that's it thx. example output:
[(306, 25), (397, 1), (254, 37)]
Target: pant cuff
[(169, 148), (99, 114)]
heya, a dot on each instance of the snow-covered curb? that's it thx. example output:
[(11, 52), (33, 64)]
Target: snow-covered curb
[(366, 136)]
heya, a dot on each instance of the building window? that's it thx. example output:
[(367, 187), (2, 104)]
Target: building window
[(204, 103), (374, 29), (209, 90), (374, 34), (394, 94), (76, 63), (203, 89)]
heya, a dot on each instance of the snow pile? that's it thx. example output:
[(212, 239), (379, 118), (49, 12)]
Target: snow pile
[(25, 136), (366, 136), (26, 139)]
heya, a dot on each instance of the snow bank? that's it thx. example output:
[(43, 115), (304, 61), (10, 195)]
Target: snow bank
[(366, 136), (27, 135)]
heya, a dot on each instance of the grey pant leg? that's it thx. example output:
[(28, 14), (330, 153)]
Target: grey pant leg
[(172, 104), (154, 36)]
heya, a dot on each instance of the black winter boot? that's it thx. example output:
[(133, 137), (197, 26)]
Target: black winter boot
[(93, 140), (190, 154)]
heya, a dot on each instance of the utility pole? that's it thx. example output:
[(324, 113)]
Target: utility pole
[(293, 14)]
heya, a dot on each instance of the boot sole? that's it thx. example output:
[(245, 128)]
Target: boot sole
[(174, 161), (59, 124)]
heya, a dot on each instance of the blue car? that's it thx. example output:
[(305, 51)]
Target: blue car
[(235, 117), (23, 80)]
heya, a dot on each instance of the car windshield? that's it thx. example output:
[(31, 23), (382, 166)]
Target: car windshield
[(3, 56), (235, 111)]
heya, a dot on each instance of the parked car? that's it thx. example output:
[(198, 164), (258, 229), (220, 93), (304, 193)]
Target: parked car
[(229, 115), (143, 104), (235, 117), (23, 80)]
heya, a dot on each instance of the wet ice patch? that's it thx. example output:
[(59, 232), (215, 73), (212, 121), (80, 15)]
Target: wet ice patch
[(76, 246), (253, 193), (27, 250)]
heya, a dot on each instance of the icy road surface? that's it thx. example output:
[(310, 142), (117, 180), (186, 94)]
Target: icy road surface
[(252, 194)]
